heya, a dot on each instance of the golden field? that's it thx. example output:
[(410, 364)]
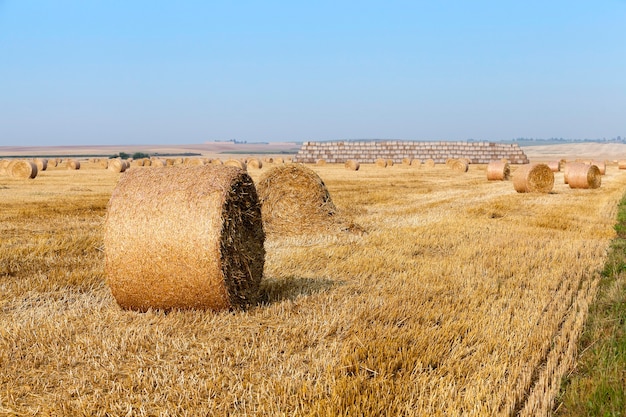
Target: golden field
[(462, 297)]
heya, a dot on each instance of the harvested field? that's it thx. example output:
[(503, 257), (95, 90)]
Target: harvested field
[(463, 297)]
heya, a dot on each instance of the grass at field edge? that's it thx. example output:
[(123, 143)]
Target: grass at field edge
[(597, 385)]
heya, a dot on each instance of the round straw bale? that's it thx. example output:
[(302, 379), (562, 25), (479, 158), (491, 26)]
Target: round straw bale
[(320, 162), (4, 164), (382, 163), (294, 200), (53, 162), (352, 165), (72, 164), (429, 163), (406, 161), (268, 160), (255, 163), (584, 176), (194, 161), (566, 169), (459, 165), (555, 166), (601, 166), (621, 164), (199, 239), (416, 162), (236, 163), (279, 160), (498, 171), (389, 162), (217, 161), (116, 165), (533, 178), (466, 160), (42, 164), (23, 169), (158, 163)]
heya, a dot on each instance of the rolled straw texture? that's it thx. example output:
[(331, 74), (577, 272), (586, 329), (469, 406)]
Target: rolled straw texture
[(382, 163), (498, 171), (198, 239), (42, 164), (584, 176), (567, 167), (158, 163), (389, 162), (23, 169), (4, 164), (533, 178), (555, 166), (294, 200), (352, 165), (255, 163), (430, 163), (236, 163), (621, 164), (320, 162), (72, 164), (279, 160), (601, 166), (116, 165), (459, 165)]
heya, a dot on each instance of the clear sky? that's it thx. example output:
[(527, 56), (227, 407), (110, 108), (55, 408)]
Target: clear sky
[(168, 72)]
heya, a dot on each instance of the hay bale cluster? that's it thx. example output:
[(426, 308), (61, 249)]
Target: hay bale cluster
[(198, 239)]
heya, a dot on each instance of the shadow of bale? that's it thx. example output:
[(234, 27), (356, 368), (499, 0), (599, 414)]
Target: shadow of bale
[(274, 290)]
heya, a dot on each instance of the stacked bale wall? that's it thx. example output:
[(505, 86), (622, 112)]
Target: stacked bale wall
[(395, 150)]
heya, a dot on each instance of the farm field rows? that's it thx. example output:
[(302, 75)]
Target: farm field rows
[(462, 297)]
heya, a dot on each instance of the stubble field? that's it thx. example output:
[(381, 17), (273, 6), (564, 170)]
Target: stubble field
[(462, 297)]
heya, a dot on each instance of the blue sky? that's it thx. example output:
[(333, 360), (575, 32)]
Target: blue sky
[(96, 72)]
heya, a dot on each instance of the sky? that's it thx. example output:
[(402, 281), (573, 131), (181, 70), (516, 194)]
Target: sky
[(109, 72)]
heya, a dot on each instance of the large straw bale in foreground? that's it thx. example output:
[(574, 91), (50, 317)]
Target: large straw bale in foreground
[(198, 239), (22, 169), (294, 200), (533, 178), (584, 176), (498, 171)]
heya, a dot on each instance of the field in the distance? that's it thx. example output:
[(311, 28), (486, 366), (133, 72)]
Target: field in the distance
[(463, 297)]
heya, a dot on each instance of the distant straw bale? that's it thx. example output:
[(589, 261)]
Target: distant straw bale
[(268, 160), (198, 239), (498, 171), (430, 163), (116, 165), (72, 164), (621, 164), (584, 176), (601, 166), (352, 165), (4, 163), (194, 161), (555, 166), (381, 163), (533, 178), (294, 201), (459, 165), (236, 163), (216, 161), (255, 163), (320, 162), (406, 161), (389, 162), (279, 160), (158, 163), (23, 169), (53, 162), (42, 164)]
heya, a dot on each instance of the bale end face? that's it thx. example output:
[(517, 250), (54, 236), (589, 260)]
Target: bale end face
[(199, 239), (533, 178)]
